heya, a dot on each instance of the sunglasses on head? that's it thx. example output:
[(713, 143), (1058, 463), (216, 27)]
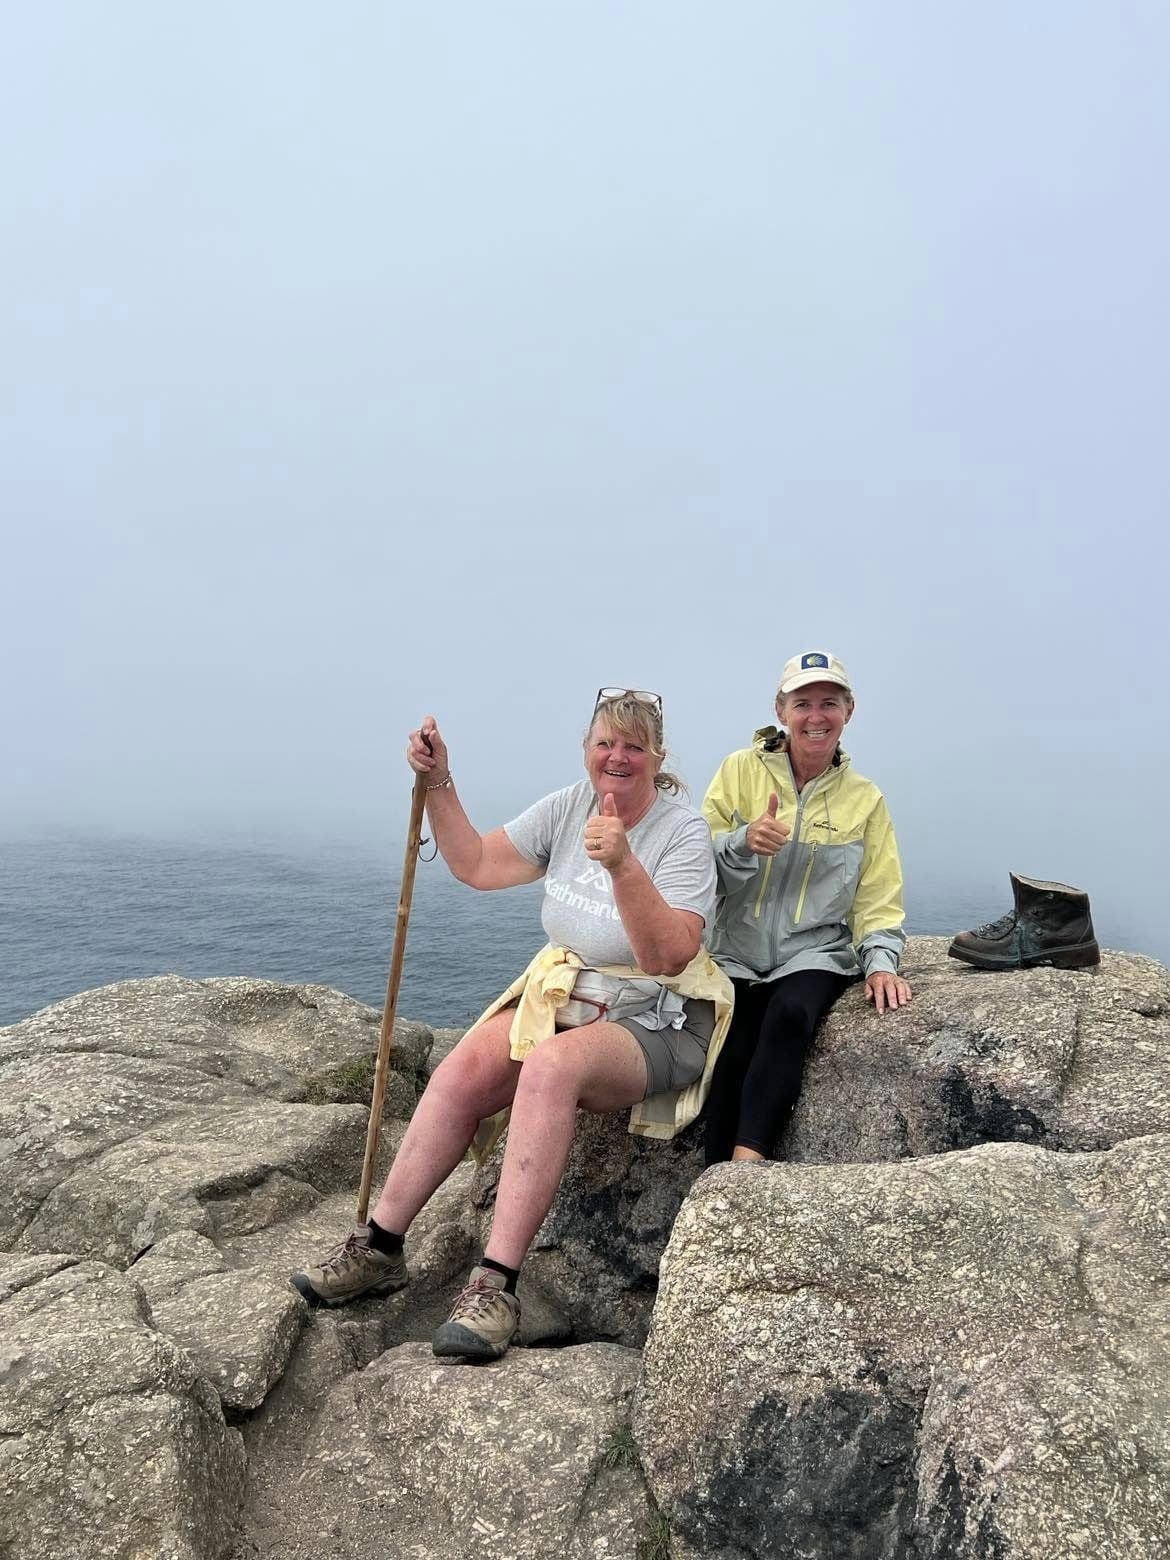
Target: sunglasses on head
[(642, 695)]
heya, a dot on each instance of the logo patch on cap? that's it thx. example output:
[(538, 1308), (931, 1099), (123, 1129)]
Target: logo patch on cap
[(807, 662)]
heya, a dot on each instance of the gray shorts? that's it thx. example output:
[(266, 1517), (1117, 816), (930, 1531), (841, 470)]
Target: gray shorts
[(674, 1057)]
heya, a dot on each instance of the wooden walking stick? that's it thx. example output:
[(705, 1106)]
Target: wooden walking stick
[(397, 959)]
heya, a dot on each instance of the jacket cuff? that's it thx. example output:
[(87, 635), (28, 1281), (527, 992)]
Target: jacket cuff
[(734, 844), (879, 961)]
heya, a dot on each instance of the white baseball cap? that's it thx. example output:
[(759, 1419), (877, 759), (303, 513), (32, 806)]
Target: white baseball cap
[(812, 667)]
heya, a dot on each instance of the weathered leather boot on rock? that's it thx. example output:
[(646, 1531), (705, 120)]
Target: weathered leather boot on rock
[(1050, 925)]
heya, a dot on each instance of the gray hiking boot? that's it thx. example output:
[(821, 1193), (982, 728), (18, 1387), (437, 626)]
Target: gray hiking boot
[(482, 1322), (352, 1270)]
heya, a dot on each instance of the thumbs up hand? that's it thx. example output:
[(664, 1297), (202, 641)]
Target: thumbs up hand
[(605, 836), (767, 833)]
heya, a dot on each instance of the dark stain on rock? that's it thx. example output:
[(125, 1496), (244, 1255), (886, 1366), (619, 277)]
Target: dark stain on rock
[(872, 1369), (990, 1542), (604, 1222), (985, 1116), (948, 1513), (944, 1526), (902, 1137), (832, 1480)]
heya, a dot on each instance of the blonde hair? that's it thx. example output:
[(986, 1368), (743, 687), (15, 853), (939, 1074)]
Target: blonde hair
[(638, 722)]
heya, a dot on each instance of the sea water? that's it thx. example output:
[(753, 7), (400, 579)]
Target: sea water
[(81, 911)]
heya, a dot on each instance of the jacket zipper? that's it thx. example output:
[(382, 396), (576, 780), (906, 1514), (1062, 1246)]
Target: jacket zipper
[(812, 856), (801, 802), (764, 881), (793, 838), (764, 886)]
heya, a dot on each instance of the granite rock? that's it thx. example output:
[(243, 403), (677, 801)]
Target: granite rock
[(1070, 1059), (961, 1357), (238, 1327), (432, 1460), (111, 1443), (218, 1171), (440, 1249), (895, 1358), (149, 1106)]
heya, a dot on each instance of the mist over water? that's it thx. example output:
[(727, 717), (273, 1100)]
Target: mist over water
[(372, 366), (364, 367)]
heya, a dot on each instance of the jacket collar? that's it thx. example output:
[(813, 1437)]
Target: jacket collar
[(770, 739)]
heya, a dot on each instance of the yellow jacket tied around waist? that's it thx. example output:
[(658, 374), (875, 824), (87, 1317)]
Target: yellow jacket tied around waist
[(547, 984)]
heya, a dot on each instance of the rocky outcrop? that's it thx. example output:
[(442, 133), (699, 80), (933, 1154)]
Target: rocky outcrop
[(897, 1346), (333, 1344), (1067, 1059), (1071, 1060), (160, 1126), (238, 1327), (153, 1106), (111, 1440), (964, 1357), (431, 1460)]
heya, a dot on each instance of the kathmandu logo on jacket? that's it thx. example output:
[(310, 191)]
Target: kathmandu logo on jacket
[(832, 827)]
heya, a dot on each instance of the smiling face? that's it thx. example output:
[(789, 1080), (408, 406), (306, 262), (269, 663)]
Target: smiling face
[(622, 764), (815, 716)]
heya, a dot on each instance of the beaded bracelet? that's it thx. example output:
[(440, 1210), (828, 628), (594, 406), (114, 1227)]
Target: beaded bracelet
[(441, 784)]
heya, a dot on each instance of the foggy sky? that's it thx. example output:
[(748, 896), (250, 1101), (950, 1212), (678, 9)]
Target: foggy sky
[(365, 361)]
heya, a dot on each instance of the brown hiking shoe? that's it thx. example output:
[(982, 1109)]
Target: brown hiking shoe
[(482, 1322), (1050, 924), (352, 1270)]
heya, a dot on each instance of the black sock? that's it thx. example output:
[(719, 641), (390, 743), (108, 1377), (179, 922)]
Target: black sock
[(384, 1241), (510, 1274)]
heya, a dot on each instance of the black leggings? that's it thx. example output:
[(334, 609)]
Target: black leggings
[(757, 1077)]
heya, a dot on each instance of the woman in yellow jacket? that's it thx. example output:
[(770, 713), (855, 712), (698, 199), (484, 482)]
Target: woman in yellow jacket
[(810, 899)]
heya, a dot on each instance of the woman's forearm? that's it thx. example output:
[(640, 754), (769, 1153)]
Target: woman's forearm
[(484, 861), (459, 842), (664, 940)]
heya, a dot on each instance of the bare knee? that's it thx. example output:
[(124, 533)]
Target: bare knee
[(468, 1077), (551, 1070)]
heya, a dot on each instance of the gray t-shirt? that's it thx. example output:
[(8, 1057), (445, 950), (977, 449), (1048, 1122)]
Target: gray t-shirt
[(671, 841)]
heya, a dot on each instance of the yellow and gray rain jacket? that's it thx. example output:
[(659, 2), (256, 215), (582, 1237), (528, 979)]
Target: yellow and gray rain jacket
[(831, 897)]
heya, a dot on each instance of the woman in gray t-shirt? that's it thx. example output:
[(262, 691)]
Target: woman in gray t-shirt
[(629, 876)]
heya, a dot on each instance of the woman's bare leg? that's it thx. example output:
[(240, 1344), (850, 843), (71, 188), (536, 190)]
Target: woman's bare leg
[(477, 1079), (600, 1067)]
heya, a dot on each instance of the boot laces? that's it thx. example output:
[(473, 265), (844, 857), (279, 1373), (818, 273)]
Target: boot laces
[(348, 1249), (476, 1298), (997, 928)]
